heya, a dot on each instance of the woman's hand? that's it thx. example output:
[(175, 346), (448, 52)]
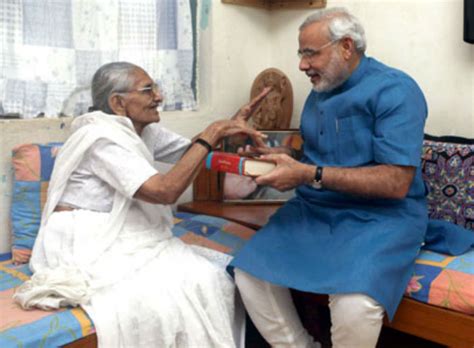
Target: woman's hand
[(237, 124), (246, 111), (166, 188), (238, 186), (224, 128)]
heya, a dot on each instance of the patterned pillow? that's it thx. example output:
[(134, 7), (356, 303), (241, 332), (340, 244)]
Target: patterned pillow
[(448, 170), (32, 167)]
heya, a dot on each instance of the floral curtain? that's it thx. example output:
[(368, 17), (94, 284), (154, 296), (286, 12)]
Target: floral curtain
[(49, 50)]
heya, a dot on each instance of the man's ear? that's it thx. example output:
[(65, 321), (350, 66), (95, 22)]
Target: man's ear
[(117, 104), (348, 47)]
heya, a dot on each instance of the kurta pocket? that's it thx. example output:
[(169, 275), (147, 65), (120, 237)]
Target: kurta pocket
[(354, 140)]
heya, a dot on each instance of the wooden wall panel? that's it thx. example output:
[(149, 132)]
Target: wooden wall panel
[(253, 3), (276, 4)]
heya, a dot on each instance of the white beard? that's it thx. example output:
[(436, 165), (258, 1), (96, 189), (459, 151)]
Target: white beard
[(335, 74)]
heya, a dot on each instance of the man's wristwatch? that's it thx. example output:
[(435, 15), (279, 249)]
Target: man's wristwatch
[(318, 178)]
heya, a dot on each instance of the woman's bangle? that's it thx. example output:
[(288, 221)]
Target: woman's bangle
[(204, 143)]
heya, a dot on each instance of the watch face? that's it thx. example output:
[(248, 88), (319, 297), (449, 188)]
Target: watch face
[(316, 184)]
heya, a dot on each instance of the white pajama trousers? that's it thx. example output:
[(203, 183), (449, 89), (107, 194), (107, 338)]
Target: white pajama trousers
[(356, 318)]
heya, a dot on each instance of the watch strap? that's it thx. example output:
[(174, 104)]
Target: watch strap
[(318, 177)]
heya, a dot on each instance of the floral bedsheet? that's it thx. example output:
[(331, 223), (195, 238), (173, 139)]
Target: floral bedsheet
[(37, 328)]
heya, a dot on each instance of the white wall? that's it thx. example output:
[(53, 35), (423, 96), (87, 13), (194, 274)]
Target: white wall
[(233, 49), (422, 37)]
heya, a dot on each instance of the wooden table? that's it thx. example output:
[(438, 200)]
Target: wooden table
[(250, 215)]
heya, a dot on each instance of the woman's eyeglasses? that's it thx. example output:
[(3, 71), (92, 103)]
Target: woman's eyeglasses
[(151, 89)]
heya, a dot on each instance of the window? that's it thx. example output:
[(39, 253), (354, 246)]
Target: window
[(50, 49)]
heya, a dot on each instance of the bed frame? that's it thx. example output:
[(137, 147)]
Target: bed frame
[(443, 326), (440, 325)]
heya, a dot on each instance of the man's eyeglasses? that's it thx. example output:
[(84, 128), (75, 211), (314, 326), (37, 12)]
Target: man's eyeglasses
[(309, 53), (152, 89)]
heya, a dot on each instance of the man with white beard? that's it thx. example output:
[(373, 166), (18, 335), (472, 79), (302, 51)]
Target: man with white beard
[(359, 217)]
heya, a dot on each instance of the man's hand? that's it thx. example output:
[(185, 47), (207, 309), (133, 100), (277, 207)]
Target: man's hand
[(288, 173), (246, 111), (380, 181)]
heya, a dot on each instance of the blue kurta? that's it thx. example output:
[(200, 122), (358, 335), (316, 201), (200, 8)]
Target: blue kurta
[(328, 242)]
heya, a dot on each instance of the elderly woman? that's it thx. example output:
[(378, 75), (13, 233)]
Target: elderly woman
[(105, 241)]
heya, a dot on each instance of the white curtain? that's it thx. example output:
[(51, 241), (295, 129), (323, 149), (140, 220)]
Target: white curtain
[(49, 50)]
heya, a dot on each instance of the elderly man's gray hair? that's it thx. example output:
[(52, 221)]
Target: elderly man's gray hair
[(111, 78), (340, 24)]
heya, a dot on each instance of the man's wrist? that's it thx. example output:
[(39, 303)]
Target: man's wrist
[(309, 174), (317, 182), (318, 176)]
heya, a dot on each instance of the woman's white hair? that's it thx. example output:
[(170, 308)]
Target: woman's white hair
[(116, 77), (341, 24)]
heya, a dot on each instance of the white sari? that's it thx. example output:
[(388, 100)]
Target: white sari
[(142, 287)]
